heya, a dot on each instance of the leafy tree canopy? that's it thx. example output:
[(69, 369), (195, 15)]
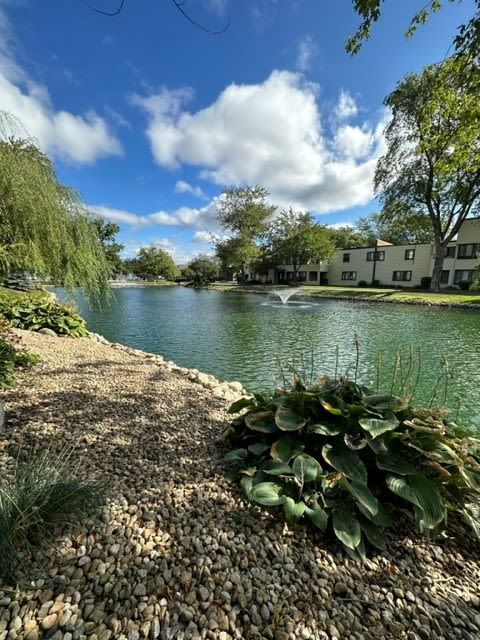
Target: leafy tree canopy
[(244, 213), (107, 231), (467, 39), (397, 224), (153, 262), (432, 163), (45, 228), (203, 268), (295, 238)]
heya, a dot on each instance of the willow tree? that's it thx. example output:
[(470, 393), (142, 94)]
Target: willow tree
[(45, 228), (432, 163)]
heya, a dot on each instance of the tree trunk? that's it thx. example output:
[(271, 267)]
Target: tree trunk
[(440, 251)]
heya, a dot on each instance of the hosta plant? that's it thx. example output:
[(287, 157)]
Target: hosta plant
[(34, 314), (340, 457)]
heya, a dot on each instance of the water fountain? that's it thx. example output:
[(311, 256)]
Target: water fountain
[(285, 294)]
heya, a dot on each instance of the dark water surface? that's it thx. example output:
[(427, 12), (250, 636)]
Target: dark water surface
[(241, 336)]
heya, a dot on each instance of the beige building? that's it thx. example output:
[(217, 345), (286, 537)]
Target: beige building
[(393, 265)]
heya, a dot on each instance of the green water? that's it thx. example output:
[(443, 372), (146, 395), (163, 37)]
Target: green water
[(239, 336)]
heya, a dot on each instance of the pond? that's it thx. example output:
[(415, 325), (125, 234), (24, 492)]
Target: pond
[(430, 352)]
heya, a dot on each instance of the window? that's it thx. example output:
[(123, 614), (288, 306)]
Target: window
[(349, 275), (463, 275), (466, 251), (302, 276), (444, 276), (402, 276), (312, 276), (346, 257), (450, 253), (371, 256), (409, 254)]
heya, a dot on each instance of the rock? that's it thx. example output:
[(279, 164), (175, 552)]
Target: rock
[(45, 331)]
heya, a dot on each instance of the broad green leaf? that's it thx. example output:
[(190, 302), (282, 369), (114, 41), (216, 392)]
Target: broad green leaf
[(285, 448), (288, 420), (262, 421), (241, 403), (246, 483), (318, 516), (257, 448), (323, 429), (382, 402), (236, 454), (277, 468), (471, 477), (376, 427), (389, 461), (471, 514), (430, 501), (306, 468), (343, 459), (373, 534), (330, 404), (358, 554), (268, 494), (293, 510), (363, 495), (399, 485), (381, 519), (347, 528)]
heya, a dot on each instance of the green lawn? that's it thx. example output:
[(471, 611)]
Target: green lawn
[(400, 295)]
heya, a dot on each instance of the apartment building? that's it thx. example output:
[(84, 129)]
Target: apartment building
[(393, 265)]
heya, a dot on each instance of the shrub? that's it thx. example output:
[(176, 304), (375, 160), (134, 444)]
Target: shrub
[(464, 285), (336, 454), (43, 499), (10, 357), (35, 314), (363, 283)]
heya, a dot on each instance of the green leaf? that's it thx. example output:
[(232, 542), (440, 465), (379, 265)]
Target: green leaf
[(241, 403), (399, 485), (330, 404), (293, 510), (347, 528), (382, 402), (277, 468), (363, 495), (430, 501), (236, 454), (246, 483), (424, 494), (389, 461), (285, 448), (375, 427), (288, 420), (318, 516), (343, 459), (267, 494), (373, 534), (306, 468), (323, 429), (262, 421), (257, 448)]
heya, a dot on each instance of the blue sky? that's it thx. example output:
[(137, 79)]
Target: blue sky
[(149, 117)]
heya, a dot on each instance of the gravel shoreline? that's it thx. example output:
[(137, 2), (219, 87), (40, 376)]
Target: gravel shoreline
[(179, 553)]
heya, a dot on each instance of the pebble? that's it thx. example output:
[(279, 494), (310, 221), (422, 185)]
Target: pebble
[(178, 552)]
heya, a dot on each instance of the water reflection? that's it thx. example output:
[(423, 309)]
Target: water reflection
[(238, 336)]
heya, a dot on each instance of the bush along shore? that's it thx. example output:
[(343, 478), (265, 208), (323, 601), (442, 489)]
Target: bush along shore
[(178, 551)]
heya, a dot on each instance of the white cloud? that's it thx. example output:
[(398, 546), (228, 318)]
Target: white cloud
[(184, 187), (80, 139), (270, 134), (306, 50), (346, 107), (202, 218)]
